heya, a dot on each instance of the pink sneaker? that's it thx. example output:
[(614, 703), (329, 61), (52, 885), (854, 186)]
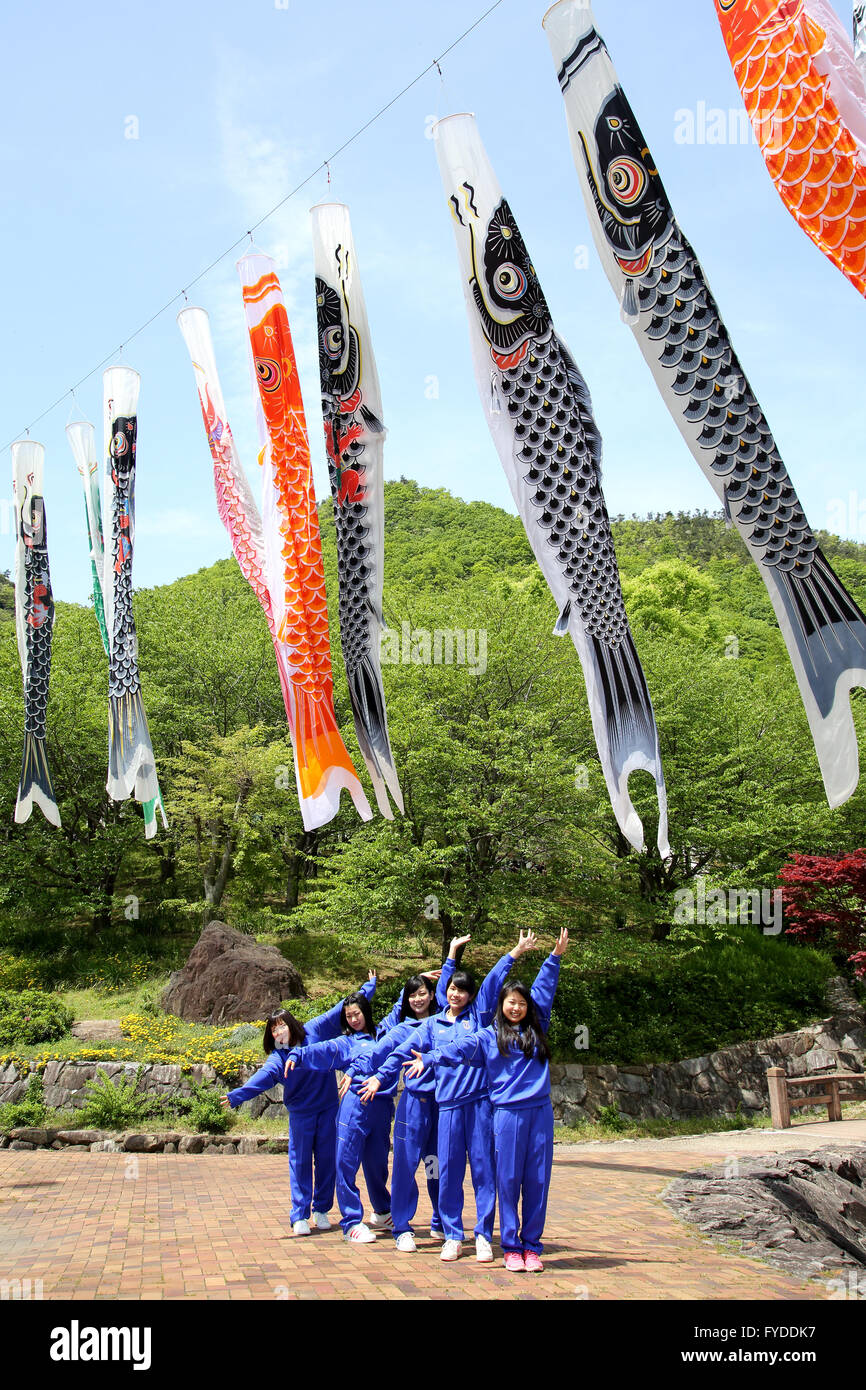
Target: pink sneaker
[(531, 1263), (514, 1262)]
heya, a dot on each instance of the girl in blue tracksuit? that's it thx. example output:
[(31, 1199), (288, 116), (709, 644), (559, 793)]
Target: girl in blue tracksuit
[(312, 1105), (359, 1125), (465, 1115), (515, 1057), (416, 1124)]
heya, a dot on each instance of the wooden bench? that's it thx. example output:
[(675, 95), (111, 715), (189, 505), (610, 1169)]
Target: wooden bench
[(782, 1103)]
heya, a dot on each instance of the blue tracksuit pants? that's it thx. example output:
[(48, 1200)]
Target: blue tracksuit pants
[(415, 1141), (466, 1129), (363, 1133), (523, 1140), (312, 1138)]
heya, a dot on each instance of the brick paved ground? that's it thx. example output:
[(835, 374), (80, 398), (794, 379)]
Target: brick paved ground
[(166, 1226)]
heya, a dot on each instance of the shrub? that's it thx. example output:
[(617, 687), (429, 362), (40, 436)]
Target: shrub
[(31, 1016), (609, 1116), (111, 1105), (31, 1111), (657, 1004), (202, 1108)]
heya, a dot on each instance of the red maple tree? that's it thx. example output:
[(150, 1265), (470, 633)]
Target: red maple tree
[(824, 897)]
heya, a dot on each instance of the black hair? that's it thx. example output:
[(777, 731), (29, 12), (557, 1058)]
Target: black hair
[(364, 1005), (416, 982), (297, 1032), (528, 1035)]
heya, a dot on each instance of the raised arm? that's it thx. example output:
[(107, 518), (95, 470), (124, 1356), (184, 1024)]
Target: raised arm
[(448, 968), (327, 1025), (544, 989), (489, 991)]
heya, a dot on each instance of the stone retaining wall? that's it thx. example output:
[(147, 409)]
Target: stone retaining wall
[(713, 1085), (136, 1142)]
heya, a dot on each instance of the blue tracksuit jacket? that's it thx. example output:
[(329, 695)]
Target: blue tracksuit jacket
[(454, 1085), (311, 1100), (514, 1080), (522, 1117), (304, 1095)]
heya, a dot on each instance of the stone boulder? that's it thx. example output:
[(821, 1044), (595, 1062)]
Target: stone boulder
[(230, 978)]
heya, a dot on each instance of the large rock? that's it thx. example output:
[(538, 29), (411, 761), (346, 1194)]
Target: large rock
[(804, 1212), (230, 978)]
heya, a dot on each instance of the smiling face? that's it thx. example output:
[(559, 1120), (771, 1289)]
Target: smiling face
[(514, 1008), (457, 999), (420, 1002), (355, 1018), (280, 1033)]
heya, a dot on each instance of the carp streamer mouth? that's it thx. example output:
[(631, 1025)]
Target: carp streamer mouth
[(635, 267)]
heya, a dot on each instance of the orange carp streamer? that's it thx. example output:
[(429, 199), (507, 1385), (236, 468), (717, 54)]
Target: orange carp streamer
[(807, 103), (293, 551)]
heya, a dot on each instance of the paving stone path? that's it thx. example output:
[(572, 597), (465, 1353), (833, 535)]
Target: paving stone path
[(166, 1226)]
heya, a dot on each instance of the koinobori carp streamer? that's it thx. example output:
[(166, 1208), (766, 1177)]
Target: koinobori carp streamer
[(294, 571), (131, 764), (83, 445), (806, 99), (539, 412), (666, 300), (34, 623), (354, 443)]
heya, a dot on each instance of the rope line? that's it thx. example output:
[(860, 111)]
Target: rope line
[(323, 166)]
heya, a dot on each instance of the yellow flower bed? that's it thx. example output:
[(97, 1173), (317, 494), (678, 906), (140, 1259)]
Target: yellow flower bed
[(160, 1041)]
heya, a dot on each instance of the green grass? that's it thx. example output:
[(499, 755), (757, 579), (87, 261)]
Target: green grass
[(113, 1003)]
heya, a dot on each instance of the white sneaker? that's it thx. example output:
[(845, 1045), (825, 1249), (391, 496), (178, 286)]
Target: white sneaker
[(483, 1250), (381, 1221), (450, 1250), (437, 1233), (321, 1221), (406, 1243), (301, 1228), (360, 1235)]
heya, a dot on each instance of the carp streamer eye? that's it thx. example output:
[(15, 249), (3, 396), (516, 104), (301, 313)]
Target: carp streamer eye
[(727, 4), (119, 445), (626, 180), (268, 373), (509, 281), (334, 341)]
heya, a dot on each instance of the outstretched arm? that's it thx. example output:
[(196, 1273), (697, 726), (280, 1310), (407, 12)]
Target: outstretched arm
[(262, 1080), (323, 1056)]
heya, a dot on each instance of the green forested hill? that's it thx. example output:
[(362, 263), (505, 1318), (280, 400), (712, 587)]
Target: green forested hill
[(507, 818), (7, 598)]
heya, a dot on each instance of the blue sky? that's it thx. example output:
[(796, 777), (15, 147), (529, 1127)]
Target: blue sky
[(234, 104)]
